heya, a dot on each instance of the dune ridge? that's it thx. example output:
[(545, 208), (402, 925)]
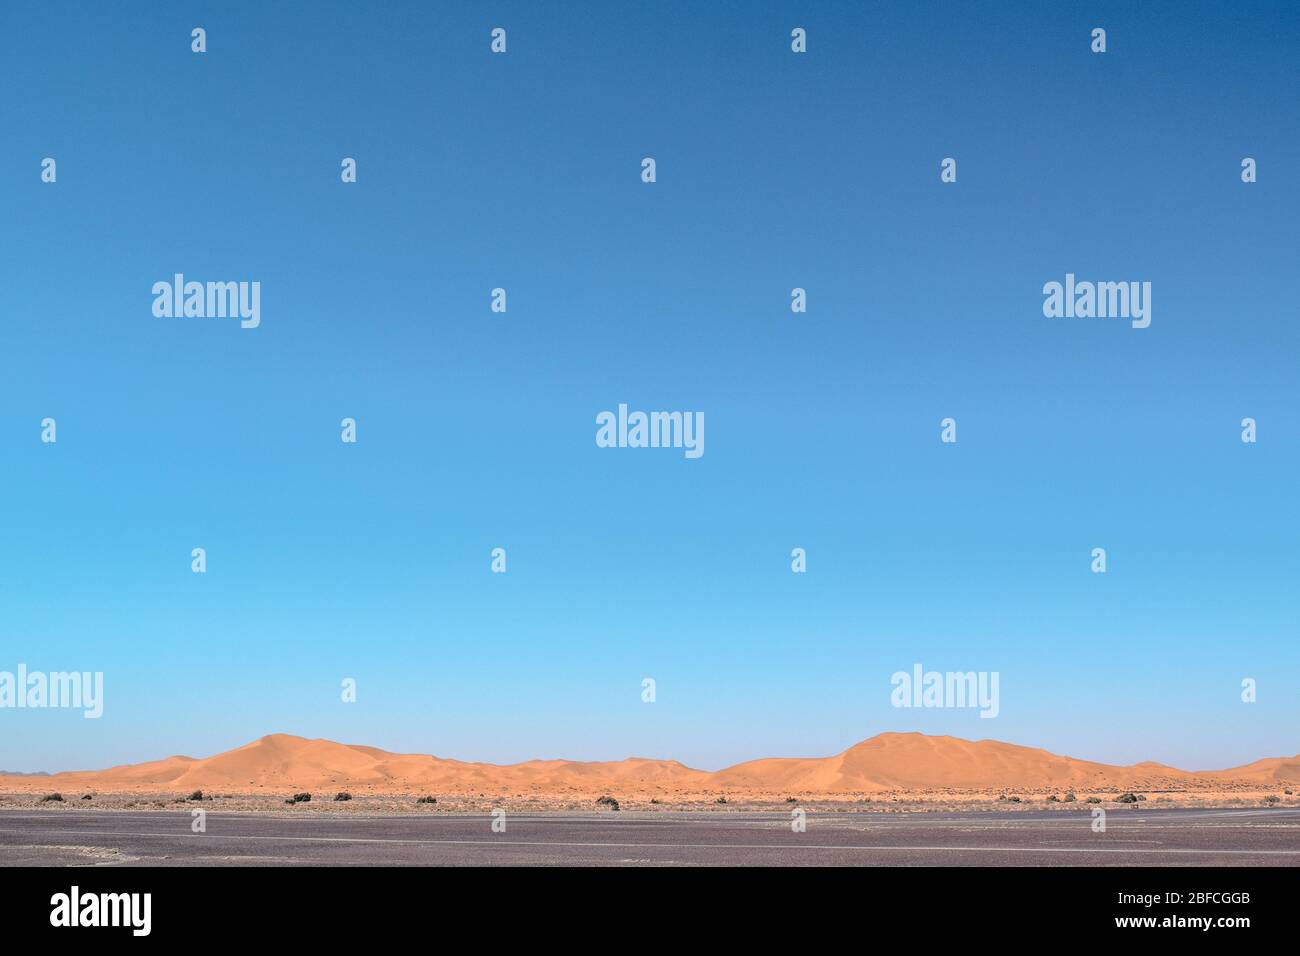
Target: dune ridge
[(886, 762)]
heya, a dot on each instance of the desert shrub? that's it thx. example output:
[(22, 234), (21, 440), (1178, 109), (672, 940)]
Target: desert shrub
[(607, 801), (52, 798), (86, 796), (1051, 798), (1271, 798), (299, 798), (1093, 800), (341, 796), (1069, 797), (427, 800), (791, 800), (196, 795), (720, 800), (654, 799), (1013, 799), (1128, 798)]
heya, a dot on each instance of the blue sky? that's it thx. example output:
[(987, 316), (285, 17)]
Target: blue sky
[(476, 430)]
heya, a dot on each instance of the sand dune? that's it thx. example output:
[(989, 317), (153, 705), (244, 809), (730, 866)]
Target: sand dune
[(1270, 770), (888, 762), (280, 761), (917, 761)]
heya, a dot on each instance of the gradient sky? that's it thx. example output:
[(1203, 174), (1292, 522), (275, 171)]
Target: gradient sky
[(477, 430)]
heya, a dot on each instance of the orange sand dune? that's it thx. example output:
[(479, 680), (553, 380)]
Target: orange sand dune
[(1269, 770), (890, 761), (918, 762), (282, 761)]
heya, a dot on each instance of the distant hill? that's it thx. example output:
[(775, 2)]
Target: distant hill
[(892, 761)]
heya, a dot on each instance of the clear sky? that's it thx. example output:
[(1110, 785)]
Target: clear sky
[(476, 430)]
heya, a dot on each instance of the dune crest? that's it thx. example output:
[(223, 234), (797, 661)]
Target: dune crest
[(886, 762)]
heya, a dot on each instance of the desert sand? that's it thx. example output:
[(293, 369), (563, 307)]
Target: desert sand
[(889, 770)]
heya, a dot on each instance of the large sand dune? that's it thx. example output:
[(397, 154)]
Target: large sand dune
[(888, 762)]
